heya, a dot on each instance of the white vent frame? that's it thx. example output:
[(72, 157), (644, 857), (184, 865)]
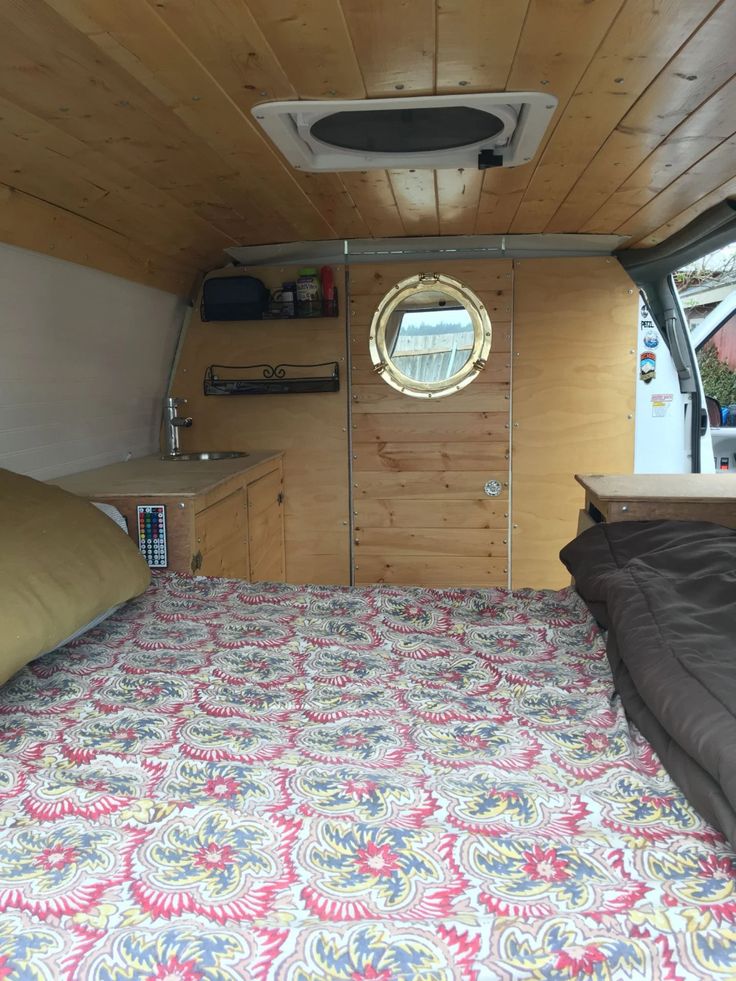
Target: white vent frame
[(526, 116)]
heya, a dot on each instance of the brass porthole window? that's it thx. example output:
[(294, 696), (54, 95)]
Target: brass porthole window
[(430, 336)]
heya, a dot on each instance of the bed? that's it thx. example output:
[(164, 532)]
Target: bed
[(243, 781)]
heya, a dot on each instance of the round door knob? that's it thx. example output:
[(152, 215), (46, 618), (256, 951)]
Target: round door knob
[(492, 488)]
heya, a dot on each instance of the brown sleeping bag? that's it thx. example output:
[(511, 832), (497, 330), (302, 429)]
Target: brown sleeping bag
[(666, 590)]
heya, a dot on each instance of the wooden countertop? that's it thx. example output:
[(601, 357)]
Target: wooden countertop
[(153, 477), (715, 487)]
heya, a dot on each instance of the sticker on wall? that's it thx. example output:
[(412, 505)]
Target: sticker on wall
[(651, 340), (660, 404), (647, 366)]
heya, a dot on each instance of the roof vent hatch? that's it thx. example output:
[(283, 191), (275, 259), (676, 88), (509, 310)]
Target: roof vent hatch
[(420, 132)]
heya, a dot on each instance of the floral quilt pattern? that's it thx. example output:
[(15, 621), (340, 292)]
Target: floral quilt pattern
[(252, 781)]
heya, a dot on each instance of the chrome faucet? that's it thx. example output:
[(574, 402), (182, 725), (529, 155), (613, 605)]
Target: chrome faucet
[(173, 422)]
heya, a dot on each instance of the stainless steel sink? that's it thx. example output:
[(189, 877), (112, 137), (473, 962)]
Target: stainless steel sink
[(204, 455)]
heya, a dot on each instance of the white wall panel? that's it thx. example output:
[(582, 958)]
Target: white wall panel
[(84, 361)]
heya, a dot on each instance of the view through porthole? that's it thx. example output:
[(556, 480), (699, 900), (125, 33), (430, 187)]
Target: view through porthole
[(430, 336)]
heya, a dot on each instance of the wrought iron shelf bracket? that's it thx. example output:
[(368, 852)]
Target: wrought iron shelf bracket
[(280, 379)]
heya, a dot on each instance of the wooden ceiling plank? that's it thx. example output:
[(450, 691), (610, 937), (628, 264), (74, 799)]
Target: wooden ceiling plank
[(332, 200), (374, 198), (699, 69), (457, 199), (302, 39), (149, 51), (226, 39), (43, 175), (312, 43), (54, 72), (710, 125), (642, 39), (476, 42), (416, 198), (30, 223), (707, 175), (721, 193), (33, 150), (545, 61), (394, 43)]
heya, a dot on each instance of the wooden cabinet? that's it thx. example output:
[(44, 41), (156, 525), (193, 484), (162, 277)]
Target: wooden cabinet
[(223, 518), (221, 533), (265, 499)]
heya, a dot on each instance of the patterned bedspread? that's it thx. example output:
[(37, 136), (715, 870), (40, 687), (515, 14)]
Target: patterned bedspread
[(234, 781)]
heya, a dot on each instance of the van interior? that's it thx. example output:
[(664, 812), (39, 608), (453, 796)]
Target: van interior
[(368, 488)]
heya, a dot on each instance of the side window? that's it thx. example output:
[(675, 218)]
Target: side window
[(707, 288), (717, 360)]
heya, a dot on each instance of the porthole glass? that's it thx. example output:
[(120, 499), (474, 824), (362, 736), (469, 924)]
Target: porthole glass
[(430, 336)]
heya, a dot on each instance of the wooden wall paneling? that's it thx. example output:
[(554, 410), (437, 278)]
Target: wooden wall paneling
[(701, 66), (490, 277), (638, 45), (426, 485), (496, 301), (462, 571), (419, 466), (476, 42), (699, 134), (575, 331), (394, 43), (310, 428)]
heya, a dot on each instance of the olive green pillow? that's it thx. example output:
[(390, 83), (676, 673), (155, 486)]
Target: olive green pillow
[(63, 563)]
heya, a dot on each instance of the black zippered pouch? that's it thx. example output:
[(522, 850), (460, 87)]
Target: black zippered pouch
[(234, 298)]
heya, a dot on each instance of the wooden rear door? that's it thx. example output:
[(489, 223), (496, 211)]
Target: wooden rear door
[(420, 512)]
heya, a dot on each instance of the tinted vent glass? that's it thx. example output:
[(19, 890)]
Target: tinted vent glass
[(407, 130)]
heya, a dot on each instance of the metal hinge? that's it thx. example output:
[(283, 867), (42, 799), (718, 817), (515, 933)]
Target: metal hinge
[(196, 562), (280, 497)]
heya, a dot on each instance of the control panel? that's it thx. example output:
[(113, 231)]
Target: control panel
[(152, 534)]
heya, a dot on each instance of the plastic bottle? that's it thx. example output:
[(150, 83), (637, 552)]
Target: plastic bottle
[(308, 296), (329, 296)]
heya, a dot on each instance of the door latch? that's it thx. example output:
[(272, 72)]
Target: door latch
[(492, 488)]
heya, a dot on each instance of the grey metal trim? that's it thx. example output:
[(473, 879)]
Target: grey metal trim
[(712, 230), (289, 253), (430, 247)]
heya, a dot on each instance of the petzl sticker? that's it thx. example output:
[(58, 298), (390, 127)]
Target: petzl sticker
[(647, 366)]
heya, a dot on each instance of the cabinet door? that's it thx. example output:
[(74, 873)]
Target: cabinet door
[(221, 532), (266, 528)]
